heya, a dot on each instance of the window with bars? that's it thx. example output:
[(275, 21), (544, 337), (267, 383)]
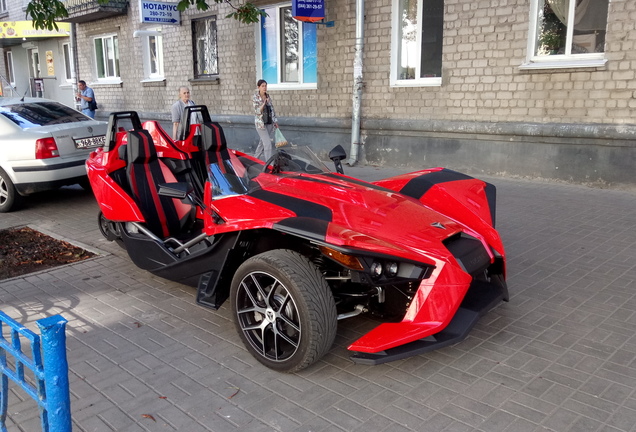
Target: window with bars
[(206, 62), (107, 56), (288, 50), (417, 42)]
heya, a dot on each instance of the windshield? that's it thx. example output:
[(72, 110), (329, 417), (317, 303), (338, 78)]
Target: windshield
[(230, 177), (29, 115), (297, 159)]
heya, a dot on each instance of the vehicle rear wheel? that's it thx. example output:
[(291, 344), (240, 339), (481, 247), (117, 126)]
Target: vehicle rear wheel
[(283, 310), (10, 199), (110, 230)]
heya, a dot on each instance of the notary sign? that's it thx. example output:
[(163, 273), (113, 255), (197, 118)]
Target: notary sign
[(152, 12), (308, 10)]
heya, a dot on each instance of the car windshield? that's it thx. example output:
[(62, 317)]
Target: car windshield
[(297, 159), (30, 115), (230, 177)]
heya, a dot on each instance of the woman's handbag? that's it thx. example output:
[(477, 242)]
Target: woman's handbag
[(279, 139)]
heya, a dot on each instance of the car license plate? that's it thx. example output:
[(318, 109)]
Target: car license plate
[(90, 142)]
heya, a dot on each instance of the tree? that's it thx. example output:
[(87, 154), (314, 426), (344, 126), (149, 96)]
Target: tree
[(45, 13)]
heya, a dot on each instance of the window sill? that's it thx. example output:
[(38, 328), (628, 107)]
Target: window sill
[(564, 64), (107, 82), (153, 82), (309, 86), (207, 80), (428, 82)]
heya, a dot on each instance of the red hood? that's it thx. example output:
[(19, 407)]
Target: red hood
[(370, 217)]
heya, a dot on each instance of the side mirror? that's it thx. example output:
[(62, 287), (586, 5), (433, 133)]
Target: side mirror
[(336, 155)]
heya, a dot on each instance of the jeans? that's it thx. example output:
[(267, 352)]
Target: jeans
[(265, 146), (90, 113)]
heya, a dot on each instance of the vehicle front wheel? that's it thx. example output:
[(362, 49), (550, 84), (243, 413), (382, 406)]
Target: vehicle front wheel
[(10, 199), (283, 310)]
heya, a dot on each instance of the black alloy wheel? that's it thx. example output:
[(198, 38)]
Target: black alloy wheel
[(283, 310)]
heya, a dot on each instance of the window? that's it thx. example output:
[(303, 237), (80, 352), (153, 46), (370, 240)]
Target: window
[(153, 56), (68, 62), (107, 57), (567, 32), (288, 50), (9, 64), (417, 41), (206, 60), (3, 6)]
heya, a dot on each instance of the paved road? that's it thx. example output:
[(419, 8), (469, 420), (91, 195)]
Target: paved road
[(561, 356)]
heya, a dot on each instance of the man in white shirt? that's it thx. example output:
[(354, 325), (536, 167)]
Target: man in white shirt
[(177, 111)]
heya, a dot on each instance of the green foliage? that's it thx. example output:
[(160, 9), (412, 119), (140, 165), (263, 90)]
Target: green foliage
[(45, 13)]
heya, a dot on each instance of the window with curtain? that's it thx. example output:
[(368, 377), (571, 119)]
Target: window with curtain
[(153, 56), (568, 28), (68, 62), (107, 57), (288, 50), (205, 58), (417, 42), (9, 63)]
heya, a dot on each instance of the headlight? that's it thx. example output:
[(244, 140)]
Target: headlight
[(391, 269), (376, 269)]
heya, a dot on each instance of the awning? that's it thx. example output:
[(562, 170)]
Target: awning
[(17, 32)]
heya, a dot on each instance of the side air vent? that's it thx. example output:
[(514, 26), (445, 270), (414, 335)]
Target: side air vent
[(469, 252)]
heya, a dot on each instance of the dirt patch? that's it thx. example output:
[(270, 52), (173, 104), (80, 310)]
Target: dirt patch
[(24, 250)]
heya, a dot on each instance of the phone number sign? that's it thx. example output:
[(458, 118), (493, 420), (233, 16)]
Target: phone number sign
[(308, 10), (152, 12)]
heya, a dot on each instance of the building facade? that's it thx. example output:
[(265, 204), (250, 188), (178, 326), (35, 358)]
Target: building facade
[(528, 88)]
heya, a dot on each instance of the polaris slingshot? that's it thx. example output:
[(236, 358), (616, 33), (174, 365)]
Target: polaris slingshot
[(296, 247)]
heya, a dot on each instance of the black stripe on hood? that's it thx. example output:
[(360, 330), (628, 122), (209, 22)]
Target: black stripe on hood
[(417, 187), (301, 207)]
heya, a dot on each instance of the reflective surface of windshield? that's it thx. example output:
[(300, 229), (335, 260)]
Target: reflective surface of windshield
[(29, 115), (230, 177), (298, 159)]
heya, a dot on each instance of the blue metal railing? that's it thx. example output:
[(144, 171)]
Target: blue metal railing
[(48, 386)]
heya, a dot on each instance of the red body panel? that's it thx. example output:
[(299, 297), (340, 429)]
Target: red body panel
[(114, 202), (377, 217)]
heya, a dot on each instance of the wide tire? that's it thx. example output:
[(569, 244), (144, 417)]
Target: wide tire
[(283, 310), (10, 199), (110, 230)]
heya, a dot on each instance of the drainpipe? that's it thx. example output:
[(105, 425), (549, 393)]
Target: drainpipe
[(357, 84), (75, 64)]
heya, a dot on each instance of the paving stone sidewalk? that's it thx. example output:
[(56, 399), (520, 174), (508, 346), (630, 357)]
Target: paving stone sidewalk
[(560, 356)]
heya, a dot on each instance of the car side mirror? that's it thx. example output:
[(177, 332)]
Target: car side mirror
[(336, 155)]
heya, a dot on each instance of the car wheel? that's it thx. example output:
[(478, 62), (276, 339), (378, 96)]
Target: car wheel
[(283, 310), (110, 230), (10, 199)]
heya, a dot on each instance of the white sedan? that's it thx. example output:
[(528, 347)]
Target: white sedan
[(43, 145)]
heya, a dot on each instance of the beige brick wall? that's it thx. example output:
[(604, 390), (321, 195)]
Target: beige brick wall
[(484, 45)]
